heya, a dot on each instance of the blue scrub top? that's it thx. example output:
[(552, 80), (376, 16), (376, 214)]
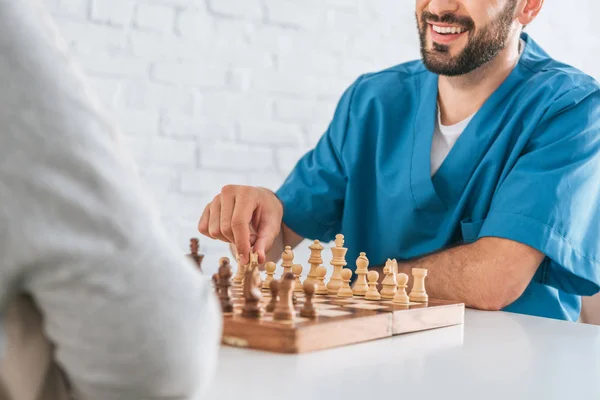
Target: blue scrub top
[(526, 168)]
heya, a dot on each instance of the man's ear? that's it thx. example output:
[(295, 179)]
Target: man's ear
[(528, 10)]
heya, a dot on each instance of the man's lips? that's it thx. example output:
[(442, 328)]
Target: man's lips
[(449, 34)]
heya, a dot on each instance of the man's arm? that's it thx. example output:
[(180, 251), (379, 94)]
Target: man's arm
[(488, 274)]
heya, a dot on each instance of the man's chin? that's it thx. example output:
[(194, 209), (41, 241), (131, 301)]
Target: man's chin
[(440, 67)]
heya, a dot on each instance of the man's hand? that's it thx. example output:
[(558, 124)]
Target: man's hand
[(245, 216)]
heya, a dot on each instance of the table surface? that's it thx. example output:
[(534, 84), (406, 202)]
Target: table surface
[(494, 355)]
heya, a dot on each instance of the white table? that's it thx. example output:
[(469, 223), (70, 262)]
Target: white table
[(494, 355)]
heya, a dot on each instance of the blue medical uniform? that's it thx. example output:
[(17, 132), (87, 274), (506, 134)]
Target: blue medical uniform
[(526, 168)]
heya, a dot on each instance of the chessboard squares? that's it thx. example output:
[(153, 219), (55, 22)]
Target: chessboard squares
[(294, 320), (331, 313), (363, 306), (410, 303), (325, 306)]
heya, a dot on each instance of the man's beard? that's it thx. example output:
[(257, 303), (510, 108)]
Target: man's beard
[(479, 50)]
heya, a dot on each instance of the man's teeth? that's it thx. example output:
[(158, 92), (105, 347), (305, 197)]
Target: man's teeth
[(448, 29)]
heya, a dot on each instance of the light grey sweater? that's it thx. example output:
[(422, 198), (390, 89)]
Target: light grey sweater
[(130, 316)]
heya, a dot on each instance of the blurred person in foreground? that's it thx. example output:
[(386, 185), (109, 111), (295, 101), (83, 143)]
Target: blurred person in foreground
[(96, 301)]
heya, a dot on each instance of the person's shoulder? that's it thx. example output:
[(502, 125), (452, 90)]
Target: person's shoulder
[(395, 75), (391, 81), (560, 80)]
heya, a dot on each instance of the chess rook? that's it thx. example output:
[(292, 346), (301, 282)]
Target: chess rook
[(418, 293), (314, 260), (338, 261)]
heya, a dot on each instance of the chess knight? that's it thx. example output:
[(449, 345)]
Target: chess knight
[(252, 289)]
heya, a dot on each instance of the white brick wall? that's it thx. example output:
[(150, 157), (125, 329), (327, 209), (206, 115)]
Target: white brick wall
[(210, 92)]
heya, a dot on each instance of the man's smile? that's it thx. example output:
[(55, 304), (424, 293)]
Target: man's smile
[(446, 34)]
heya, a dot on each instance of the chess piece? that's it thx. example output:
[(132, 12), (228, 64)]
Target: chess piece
[(418, 293), (252, 292), (284, 310), (308, 310), (360, 285), (401, 297), (395, 269), (287, 260), (215, 281), (224, 285), (315, 260), (338, 261), (389, 282), (274, 287), (270, 269), (372, 292), (346, 290), (194, 255), (238, 279), (297, 271), (321, 272)]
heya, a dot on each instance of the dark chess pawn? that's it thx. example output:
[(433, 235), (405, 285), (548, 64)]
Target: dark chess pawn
[(194, 255), (308, 310), (274, 288), (284, 310), (224, 285)]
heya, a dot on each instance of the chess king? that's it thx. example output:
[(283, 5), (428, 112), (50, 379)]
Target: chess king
[(478, 162)]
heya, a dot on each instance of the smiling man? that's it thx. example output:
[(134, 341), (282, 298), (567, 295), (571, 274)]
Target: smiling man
[(480, 162)]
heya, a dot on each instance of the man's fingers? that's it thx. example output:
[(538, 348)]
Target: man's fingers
[(267, 232), (227, 207), (203, 222), (240, 226), (214, 221)]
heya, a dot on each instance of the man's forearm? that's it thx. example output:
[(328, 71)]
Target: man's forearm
[(488, 274)]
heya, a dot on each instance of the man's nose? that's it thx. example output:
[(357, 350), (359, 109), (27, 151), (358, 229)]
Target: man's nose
[(440, 7)]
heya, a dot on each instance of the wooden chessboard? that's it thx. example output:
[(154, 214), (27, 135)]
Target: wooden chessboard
[(340, 322)]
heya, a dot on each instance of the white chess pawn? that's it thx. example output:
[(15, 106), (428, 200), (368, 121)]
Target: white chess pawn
[(372, 292), (321, 287), (346, 290), (297, 271), (270, 269), (401, 297)]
